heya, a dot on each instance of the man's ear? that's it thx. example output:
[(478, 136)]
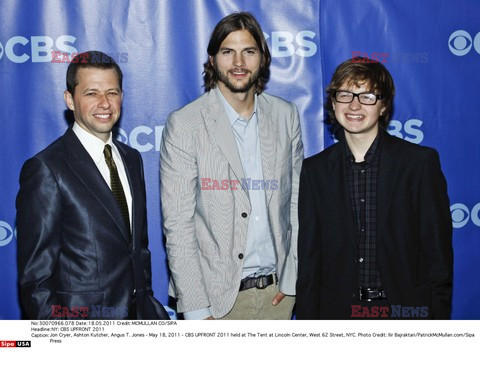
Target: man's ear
[(68, 98)]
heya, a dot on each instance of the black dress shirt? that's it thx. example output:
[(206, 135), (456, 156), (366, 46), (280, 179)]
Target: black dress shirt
[(362, 186)]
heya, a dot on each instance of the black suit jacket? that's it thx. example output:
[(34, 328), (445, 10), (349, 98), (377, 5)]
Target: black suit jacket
[(414, 233), (73, 246)]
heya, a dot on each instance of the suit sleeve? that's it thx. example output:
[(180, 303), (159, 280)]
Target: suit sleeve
[(178, 177), (436, 235), (309, 246), (153, 308), (289, 275), (39, 213)]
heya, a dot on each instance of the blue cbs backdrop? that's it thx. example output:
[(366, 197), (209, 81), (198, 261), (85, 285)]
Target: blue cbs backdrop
[(431, 47)]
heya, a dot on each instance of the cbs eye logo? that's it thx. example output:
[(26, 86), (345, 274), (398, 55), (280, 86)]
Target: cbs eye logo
[(6, 233), (460, 43), (461, 214)]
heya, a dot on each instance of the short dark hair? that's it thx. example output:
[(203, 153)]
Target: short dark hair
[(362, 70), (90, 59), (231, 23)]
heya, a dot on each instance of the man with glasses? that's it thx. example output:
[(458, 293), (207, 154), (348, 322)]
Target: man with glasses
[(375, 233)]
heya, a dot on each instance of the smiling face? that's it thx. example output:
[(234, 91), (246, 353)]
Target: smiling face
[(237, 63), (356, 119), (97, 101)]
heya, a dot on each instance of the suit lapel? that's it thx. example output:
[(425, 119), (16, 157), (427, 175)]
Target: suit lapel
[(268, 139), (218, 126), (339, 192), (87, 172)]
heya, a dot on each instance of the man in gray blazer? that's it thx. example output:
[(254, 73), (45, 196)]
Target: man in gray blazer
[(230, 165)]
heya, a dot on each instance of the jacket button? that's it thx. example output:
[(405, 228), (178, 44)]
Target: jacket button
[(353, 295), (244, 214), (240, 256)]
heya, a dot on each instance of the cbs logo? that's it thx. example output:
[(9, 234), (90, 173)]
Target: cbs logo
[(461, 214), (38, 49), (286, 44), (460, 43), (410, 130), (143, 138), (6, 233)]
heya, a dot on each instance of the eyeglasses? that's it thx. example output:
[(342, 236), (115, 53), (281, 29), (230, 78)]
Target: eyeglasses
[(365, 98)]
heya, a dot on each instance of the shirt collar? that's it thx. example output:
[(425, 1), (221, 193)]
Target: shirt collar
[(92, 144), (234, 116), (371, 153)]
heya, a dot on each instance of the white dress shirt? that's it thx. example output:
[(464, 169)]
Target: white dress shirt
[(95, 147)]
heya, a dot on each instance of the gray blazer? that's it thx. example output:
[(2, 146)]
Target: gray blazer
[(206, 229)]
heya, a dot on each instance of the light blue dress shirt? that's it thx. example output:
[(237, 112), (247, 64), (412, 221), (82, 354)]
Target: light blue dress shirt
[(260, 257)]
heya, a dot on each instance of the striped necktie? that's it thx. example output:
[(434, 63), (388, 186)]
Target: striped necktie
[(116, 185)]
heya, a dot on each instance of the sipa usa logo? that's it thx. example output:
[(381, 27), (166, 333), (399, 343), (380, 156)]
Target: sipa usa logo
[(461, 215), (6, 233), (37, 49), (460, 43)]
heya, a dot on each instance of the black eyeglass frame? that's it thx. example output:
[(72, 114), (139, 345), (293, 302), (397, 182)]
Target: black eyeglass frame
[(357, 95)]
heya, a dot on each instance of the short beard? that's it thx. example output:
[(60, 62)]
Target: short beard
[(252, 81)]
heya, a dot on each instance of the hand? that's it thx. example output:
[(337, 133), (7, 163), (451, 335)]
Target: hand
[(278, 298), (209, 318)]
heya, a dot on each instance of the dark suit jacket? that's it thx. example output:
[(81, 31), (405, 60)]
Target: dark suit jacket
[(414, 233), (73, 246)]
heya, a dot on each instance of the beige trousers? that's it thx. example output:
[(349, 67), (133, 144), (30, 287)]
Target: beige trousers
[(257, 304)]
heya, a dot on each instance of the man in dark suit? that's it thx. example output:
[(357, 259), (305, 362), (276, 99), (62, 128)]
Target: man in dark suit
[(375, 233), (81, 211)]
